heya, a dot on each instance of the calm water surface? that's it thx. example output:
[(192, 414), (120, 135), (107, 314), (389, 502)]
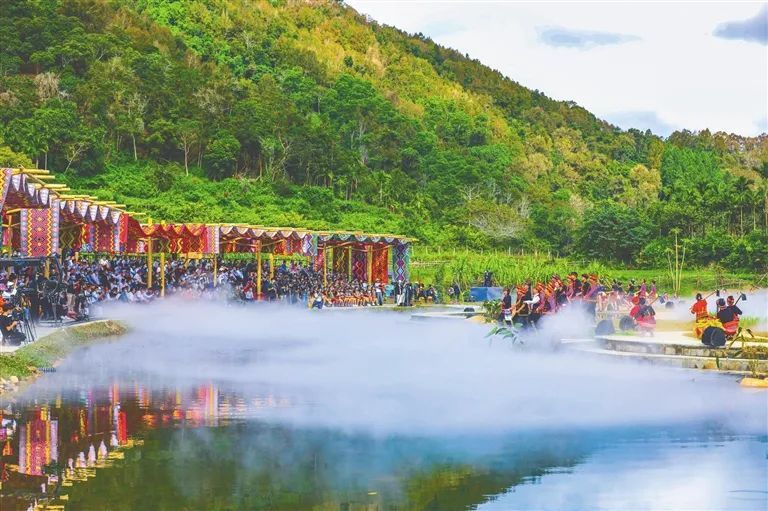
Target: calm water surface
[(114, 435)]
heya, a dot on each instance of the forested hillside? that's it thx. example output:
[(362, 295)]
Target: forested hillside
[(308, 114)]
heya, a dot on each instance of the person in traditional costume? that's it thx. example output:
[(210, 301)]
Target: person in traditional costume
[(614, 299), (729, 315), (602, 299), (398, 291), (561, 294), (550, 300), (408, 294), (522, 310), (571, 288), (505, 314), (645, 317), (589, 292), (533, 305), (577, 286), (699, 308)]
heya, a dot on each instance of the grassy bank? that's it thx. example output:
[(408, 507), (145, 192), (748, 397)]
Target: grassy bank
[(51, 348), (443, 267)]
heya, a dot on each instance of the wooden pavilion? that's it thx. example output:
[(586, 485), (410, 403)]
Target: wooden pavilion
[(41, 218)]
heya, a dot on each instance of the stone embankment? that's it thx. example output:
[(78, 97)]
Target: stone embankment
[(678, 349)]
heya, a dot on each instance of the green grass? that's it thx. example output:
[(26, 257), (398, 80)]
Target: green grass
[(49, 349)]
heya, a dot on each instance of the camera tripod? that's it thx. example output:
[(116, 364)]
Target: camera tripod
[(26, 324)]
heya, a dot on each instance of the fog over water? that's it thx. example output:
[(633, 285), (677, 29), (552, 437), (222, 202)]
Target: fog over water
[(379, 372)]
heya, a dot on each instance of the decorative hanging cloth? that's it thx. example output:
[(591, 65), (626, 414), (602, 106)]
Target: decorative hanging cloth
[(359, 263), (380, 263), (401, 258), (340, 260), (39, 231)]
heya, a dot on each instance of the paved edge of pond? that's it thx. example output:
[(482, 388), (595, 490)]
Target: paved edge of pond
[(676, 349), (32, 360)]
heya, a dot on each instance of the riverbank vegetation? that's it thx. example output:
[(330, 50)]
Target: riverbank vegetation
[(50, 349), (309, 114), (445, 267)]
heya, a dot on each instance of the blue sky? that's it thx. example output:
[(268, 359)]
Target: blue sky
[(649, 65)]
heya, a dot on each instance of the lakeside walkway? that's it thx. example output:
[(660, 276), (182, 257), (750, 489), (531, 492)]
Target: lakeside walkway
[(46, 329)]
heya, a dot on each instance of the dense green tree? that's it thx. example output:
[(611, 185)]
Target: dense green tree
[(221, 158), (613, 232)]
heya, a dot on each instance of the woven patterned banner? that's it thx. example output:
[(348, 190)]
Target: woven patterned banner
[(293, 246), (309, 245), (340, 260), (8, 238), (359, 263), (401, 259), (70, 238), (192, 244), (381, 263), (175, 246), (103, 237), (121, 233), (211, 240), (40, 231), (5, 182), (279, 247)]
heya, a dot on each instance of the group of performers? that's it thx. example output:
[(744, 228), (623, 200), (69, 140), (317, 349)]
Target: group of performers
[(534, 301), (727, 314)]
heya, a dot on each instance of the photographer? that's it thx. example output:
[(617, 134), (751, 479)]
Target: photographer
[(8, 325)]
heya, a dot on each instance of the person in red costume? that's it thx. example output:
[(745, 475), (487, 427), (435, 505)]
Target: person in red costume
[(700, 307)]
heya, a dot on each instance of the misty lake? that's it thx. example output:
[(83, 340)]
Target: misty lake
[(230, 409)]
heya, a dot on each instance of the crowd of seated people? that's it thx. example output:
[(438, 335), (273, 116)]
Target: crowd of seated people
[(298, 283), (80, 286), (87, 283)]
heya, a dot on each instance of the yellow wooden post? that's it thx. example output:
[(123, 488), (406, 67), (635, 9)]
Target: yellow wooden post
[(325, 266), (349, 263), (215, 270), (10, 233), (149, 256), (47, 269), (162, 269), (258, 270), (162, 274), (369, 260), (82, 237), (271, 266)]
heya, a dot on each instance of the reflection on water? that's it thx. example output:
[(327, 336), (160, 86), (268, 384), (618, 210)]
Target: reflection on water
[(129, 446)]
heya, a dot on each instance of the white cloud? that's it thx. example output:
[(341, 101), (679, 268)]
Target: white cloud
[(642, 121), (561, 37), (753, 29), (676, 70)]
